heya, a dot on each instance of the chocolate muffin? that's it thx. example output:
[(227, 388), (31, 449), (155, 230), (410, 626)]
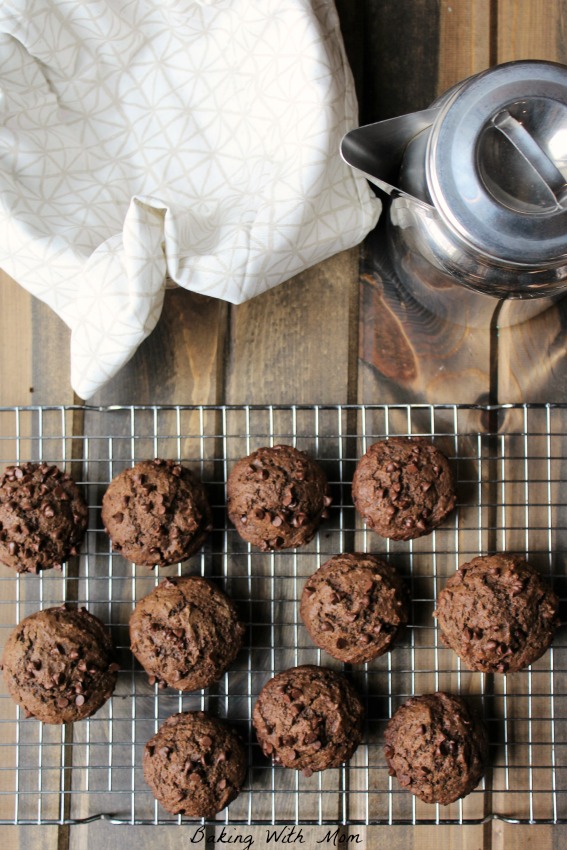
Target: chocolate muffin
[(59, 664), (497, 613), (354, 607), (195, 765), (308, 718), (185, 633), (403, 487), (277, 497), (436, 747), (43, 517), (156, 513)]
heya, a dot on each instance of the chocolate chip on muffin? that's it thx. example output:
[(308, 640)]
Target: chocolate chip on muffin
[(156, 513), (354, 607), (195, 765), (436, 747), (185, 633), (277, 496), (59, 664), (43, 517), (497, 613), (403, 487), (308, 718)]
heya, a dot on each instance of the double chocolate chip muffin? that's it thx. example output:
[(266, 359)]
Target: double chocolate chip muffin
[(195, 765), (185, 633), (497, 613), (156, 513), (403, 488), (308, 718), (436, 747), (276, 497), (59, 664), (354, 607), (43, 517)]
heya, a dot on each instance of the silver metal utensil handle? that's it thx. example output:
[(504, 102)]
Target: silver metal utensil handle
[(534, 154)]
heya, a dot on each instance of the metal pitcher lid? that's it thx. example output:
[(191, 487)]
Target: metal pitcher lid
[(497, 162)]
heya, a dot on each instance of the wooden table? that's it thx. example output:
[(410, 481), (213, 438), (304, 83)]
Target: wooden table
[(336, 334)]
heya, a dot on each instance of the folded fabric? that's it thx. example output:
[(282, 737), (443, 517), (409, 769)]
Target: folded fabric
[(145, 141)]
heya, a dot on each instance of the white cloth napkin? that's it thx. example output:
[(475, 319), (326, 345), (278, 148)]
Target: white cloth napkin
[(189, 140)]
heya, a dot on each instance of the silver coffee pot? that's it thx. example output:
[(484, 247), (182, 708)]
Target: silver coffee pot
[(478, 193)]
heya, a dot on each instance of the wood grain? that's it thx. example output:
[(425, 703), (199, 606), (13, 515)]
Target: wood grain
[(297, 342), (407, 352), (181, 360), (395, 55), (531, 356), (465, 40), (16, 367), (328, 335), (531, 30), (17, 379)]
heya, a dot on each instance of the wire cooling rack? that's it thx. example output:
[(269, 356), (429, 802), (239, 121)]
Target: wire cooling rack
[(509, 462)]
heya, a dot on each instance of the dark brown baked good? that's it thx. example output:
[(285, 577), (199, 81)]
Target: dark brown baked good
[(185, 633), (354, 607), (195, 765), (403, 487), (497, 613), (308, 718), (436, 747), (156, 513), (59, 664), (276, 497), (43, 517)]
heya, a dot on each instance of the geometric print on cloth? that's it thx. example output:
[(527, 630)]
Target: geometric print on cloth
[(145, 142)]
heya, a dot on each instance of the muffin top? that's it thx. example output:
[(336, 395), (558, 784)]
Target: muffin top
[(195, 764), (436, 747), (59, 664), (308, 718), (497, 613), (43, 517), (403, 487), (185, 633), (156, 513), (276, 497), (354, 607)]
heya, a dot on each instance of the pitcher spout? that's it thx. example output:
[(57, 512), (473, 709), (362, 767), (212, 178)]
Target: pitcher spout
[(377, 150)]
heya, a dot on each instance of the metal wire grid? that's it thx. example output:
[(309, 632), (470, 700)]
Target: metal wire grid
[(509, 462)]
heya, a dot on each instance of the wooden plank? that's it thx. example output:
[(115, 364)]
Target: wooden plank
[(532, 355), (407, 352), (51, 363), (27, 837), (282, 350), (16, 378), (465, 39), (529, 518), (25, 326), (533, 837), (34, 366), (532, 30), (395, 49), (532, 358), (181, 360)]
